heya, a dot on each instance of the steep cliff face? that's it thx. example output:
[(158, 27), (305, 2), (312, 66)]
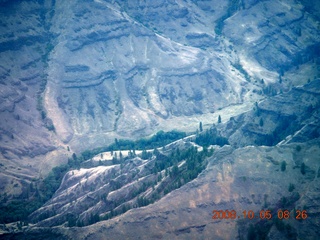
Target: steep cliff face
[(132, 75), (141, 67), (243, 176), (24, 135), (110, 68), (289, 117), (245, 179), (277, 37), (76, 74)]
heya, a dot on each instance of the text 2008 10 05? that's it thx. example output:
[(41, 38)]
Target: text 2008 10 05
[(263, 214)]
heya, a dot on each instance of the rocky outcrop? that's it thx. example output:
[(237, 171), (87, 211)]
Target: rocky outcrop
[(143, 68), (246, 179), (289, 117), (244, 176), (24, 135), (77, 74), (107, 191), (136, 76), (108, 66), (279, 34)]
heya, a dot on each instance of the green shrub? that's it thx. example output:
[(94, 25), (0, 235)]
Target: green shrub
[(303, 169), (261, 122), (283, 166), (291, 187)]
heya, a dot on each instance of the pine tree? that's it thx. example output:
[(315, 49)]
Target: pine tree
[(261, 122), (283, 166), (200, 127), (219, 119), (144, 155), (303, 168)]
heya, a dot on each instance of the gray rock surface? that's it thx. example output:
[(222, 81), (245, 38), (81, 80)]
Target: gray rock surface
[(289, 117), (248, 178), (241, 177), (77, 74)]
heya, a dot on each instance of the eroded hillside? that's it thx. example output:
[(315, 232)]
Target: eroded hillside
[(75, 75), (173, 190)]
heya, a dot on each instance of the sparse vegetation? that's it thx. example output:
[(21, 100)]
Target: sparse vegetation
[(291, 187), (283, 166), (145, 155), (286, 126), (261, 122), (239, 67), (261, 228), (259, 231), (285, 228), (44, 189), (298, 148), (51, 127), (303, 168), (210, 137), (174, 176), (233, 6), (270, 90), (265, 199), (113, 74), (257, 109), (160, 139)]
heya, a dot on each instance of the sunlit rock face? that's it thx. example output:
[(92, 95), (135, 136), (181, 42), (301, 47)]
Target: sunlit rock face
[(120, 68), (261, 170), (244, 179), (78, 74), (112, 72), (95, 70)]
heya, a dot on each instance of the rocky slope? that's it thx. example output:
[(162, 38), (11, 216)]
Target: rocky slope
[(142, 68), (286, 118), (76, 74), (132, 75), (24, 135), (242, 176), (244, 179)]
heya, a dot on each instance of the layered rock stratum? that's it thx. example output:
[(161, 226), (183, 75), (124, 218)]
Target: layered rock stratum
[(241, 176), (75, 75)]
